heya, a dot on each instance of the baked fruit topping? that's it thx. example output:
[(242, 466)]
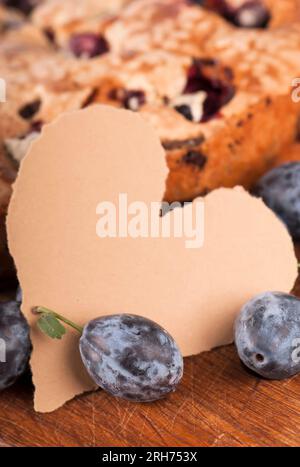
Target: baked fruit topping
[(250, 14), (29, 110), (25, 6), (132, 99), (88, 45), (209, 87)]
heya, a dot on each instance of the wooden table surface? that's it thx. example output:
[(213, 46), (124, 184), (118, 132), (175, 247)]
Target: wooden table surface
[(219, 403)]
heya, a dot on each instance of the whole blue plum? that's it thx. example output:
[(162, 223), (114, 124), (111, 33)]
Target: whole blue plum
[(15, 343), (131, 357), (267, 335), (280, 190)]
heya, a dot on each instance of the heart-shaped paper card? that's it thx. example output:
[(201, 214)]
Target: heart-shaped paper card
[(91, 157)]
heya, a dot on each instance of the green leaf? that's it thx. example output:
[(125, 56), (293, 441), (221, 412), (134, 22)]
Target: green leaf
[(50, 326)]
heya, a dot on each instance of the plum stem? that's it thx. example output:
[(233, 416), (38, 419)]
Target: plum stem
[(42, 309)]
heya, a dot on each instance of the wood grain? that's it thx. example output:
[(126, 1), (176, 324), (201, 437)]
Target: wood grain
[(219, 403)]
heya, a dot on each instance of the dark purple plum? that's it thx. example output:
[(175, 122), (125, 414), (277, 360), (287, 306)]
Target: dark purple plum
[(131, 99), (208, 75), (88, 45), (134, 99), (15, 343), (25, 6), (267, 335), (280, 190), (185, 110), (131, 357), (250, 14), (35, 126), (29, 110)]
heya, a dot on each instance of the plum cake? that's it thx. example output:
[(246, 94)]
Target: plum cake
[(216, 78)]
